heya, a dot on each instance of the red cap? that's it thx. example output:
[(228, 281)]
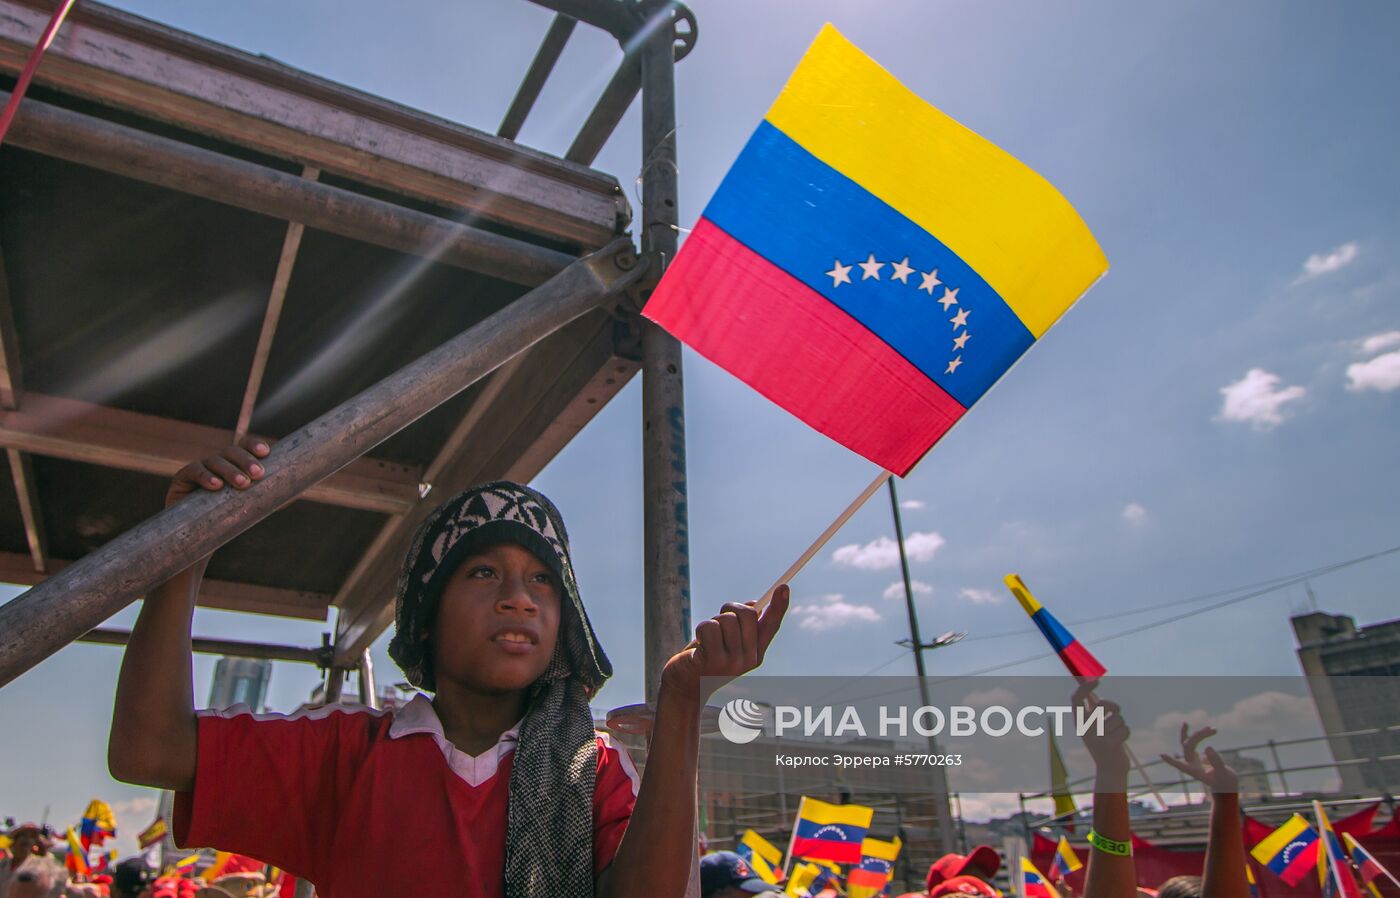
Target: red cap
[(963, 885), (983, 861)]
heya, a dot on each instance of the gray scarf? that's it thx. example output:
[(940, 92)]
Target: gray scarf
[(549, 829)]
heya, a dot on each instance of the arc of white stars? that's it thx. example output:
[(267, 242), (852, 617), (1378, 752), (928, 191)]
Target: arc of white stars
[(901, 272), (839, 275), (870, 268), (949, 297), (930, 280), (961, 340), (953, 365), (960, 319)]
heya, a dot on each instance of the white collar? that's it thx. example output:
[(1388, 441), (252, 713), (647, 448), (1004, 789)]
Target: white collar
[(419, 716)]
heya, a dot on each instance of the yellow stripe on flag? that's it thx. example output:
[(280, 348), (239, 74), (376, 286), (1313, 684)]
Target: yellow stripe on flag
[(886, 851), (998, 215), (1275, 841), (822, 813)]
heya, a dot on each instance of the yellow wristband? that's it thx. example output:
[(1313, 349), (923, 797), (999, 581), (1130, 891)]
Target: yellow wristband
[(1110, 846)]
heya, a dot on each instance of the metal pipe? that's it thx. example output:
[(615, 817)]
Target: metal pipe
[(666, 547), (368, 697), (49, 616), (129, 152), (238, 649), (612, 16), (335, 685), (530, 86), (617, 97), (940, 775)]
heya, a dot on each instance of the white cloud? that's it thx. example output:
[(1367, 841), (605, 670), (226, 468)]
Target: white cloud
[(1380, 373), (1135, 514), (896, 589), (882, 553), (1377, 342), (980, 596), (912, 504), (833, 611), (1319, 264), (1257, 399)]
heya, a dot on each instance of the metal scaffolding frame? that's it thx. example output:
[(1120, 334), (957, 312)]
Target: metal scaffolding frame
[(149, 103)]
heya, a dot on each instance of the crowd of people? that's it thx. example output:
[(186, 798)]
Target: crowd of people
[(492, 781)]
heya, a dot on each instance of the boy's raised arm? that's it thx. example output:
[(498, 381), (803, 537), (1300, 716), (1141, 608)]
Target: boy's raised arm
[(153, 737), (1111, 873), (659, 848)]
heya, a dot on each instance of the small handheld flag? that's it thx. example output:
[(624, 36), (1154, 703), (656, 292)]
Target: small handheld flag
[(76, 861), (1289, 851), (969, 257), (1059, 786), (803, 875), (153, 833), (762, 855), (1080, 662), (876, 866), (98, 823), (1065, 862), (832, 832), (1033, 885), (1332, 868), (1249, 879), (1371, 869)]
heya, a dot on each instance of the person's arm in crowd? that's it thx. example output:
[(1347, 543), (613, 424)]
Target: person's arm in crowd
[(1111, 873), (154, 730), (1224, 874), (659, 848)]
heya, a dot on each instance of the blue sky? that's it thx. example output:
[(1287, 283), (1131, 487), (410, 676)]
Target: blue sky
[(1221, 409)]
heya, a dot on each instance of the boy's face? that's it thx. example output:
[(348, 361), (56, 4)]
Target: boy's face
[(497, 621)]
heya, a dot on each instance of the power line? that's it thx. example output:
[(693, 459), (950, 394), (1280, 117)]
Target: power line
[(1274, 582)]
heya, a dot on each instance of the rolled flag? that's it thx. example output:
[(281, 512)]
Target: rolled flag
[(1065, 807), (1076, 657), (1065, 862), (98, 823), (1249, 878), (1332, 868), (76, 860), (762, 855), (871, 265), (1370, 868), (1290, 851), (1033, 884)]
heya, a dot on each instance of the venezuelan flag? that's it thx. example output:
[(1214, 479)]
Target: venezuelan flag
[(98, 823), (1066, 861), (1371, 869), (876, 866), (1332, 869), (1289, 851), (803, 875), (871, 265), (832, 832), (1077, 658), (153, 833), (762, 855), (76, 860), (1059, 785), (1033, 885), (1249, 878)]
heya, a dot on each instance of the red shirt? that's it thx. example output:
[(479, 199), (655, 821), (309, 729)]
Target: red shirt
[(369, 803)]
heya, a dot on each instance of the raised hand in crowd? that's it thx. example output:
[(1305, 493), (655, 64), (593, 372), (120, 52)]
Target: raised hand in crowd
[(1224, 873), (1111, 873)]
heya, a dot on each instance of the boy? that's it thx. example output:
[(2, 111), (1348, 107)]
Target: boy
[(498, 785)]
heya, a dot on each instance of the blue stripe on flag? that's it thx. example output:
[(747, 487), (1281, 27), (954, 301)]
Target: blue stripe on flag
[(804, 216)]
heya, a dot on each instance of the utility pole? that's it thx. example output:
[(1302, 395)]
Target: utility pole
[(940, 776)]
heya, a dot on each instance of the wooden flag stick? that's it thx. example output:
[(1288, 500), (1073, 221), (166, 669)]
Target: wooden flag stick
[(826, 536)]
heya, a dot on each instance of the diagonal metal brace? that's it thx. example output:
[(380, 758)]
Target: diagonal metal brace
[(49, 616)]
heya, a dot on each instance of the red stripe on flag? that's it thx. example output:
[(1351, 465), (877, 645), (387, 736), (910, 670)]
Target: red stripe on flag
[(1080, 662), (822, 850), (789, 343)]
